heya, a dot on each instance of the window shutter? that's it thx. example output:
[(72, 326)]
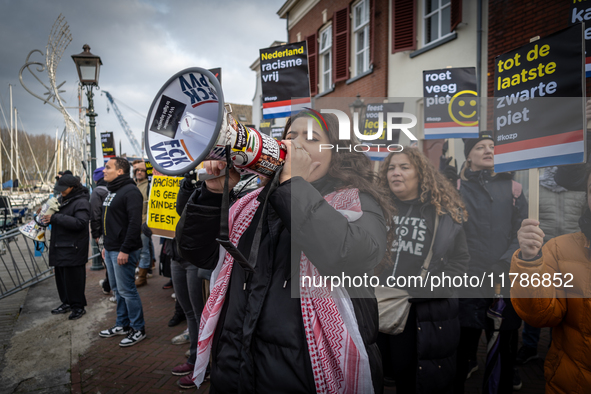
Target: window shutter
[(403, 25), (341, 45), (372, 29), (312, 44), (456, 14)]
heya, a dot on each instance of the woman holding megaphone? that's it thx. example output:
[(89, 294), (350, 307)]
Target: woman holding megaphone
[(284, 323)]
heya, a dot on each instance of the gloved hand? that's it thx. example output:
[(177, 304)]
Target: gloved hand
[(189, 181)]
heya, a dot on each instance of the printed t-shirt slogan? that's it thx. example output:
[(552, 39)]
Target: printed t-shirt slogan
[(539, 117), (451, 103), (284, 79)]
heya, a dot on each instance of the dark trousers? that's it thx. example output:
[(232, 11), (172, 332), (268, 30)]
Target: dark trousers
[(469, 338), (71, 282), (399, 355)]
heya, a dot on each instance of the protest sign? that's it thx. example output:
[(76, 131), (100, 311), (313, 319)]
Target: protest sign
[(284, 79), (217, 72), (108, 144), (273, 131), (580, 12), (162, 216), (451, 103), (149, 170), (371, 125), (539, 116)]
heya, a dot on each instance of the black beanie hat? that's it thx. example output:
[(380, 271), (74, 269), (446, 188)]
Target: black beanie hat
[(470, 142)]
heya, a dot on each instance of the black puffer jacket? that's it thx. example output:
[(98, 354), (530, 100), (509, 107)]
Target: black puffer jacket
[(68, 246), (260, 345), (494, 217), (438, 324)]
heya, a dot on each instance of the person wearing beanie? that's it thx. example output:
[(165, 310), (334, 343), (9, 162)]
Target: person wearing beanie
[(96, 209), (496, 207), (68, 249)]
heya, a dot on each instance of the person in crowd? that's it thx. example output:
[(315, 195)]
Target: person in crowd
[(122, 218), (496, 206), (421, 359), (562, 262), (68, 249), (322, 211), (141, 180), (560, 210), (97, 197)]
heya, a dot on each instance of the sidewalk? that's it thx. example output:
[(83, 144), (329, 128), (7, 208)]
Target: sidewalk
[(50, 354)]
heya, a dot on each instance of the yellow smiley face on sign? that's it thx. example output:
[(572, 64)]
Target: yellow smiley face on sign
[(463, 108)]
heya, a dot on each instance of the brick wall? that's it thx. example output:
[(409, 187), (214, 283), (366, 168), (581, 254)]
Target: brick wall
[(513, 22), (372, 85)]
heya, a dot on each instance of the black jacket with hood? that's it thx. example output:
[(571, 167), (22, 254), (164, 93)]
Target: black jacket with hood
[(96, 208), (68, 245), (260, 344), (122, 216), (494, 217)]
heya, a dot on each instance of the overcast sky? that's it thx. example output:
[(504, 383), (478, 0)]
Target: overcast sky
[(142, 43)]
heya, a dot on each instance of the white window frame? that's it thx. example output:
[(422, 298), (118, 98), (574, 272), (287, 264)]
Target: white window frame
[(325, 52), (439, 13), (363, 27)]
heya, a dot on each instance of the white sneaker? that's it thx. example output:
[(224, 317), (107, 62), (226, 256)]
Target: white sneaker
[(114, 331), (133, 337), (113, 299), (173, 296), (181, 338)]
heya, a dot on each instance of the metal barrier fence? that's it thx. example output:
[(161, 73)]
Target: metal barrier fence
[(19, 266)]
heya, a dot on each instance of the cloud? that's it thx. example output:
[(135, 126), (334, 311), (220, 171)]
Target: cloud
[(142, 43)]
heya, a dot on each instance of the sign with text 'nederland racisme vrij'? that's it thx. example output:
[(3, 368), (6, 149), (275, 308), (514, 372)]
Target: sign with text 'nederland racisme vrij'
[(539, 116), (284, 79), (451, 103)]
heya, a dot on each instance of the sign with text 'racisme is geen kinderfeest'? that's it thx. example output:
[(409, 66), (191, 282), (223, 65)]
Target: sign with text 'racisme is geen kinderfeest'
[(284, 79), (539, 116)]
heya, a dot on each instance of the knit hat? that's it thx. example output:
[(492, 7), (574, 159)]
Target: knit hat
[(98, 174), (469, 143)]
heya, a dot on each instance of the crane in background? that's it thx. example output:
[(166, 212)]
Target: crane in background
[(134, 143)]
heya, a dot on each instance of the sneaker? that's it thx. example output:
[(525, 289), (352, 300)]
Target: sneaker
[(182, 338), (168, 285), (186, 382), (102, 287), (176, 319), (113, 299), (526, 354), (173, 296), (517, 384), (133, 337), (188, 353), (472, 367), (63, 308), (149, 274), (114, 331), (183, 369), (77, 314)]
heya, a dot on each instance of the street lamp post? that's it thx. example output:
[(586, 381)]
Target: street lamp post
[(356, 106), (88, 67)]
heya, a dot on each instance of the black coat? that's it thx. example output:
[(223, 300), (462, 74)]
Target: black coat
[(494, 217), (260, 345), (69, 242), (96, 208), (438, 324), (122, 216)]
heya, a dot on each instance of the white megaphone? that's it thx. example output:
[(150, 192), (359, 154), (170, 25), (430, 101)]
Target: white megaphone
[(188, 123)]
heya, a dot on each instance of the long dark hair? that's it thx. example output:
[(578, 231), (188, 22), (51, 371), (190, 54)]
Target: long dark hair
[(349, 168)]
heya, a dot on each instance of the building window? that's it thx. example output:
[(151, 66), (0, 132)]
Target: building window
[(436, 19), (361, 36), (325, 51)]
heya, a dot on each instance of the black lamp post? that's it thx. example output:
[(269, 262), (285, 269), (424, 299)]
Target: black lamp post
[(88, 67), (356, 106)]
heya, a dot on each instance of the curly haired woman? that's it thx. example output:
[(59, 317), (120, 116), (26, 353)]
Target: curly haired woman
[(421, 359)]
